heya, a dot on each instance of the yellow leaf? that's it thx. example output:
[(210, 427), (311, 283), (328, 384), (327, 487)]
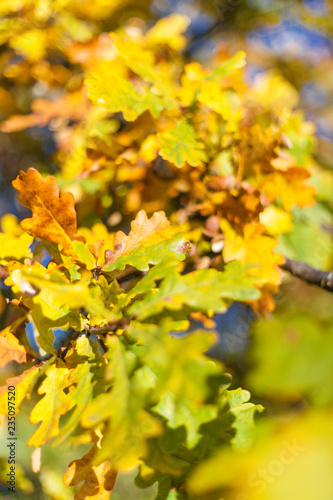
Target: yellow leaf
[(23, 384), (31, 44), (190, 80), (290, 186), (276, 220), (255, 249), (52, 406), (296, 456), (214, 97), (168, 31), (106, 88), (180, 145), (14, 243), (10, 225), (274, 92)]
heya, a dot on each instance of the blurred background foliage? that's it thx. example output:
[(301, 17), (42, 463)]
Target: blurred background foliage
[(284, 359)]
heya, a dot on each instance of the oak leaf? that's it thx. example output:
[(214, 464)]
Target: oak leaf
[(124, 440), (80, 378), (214, 97), (168, 31), (115, 94), (144, 232), (53, 217), (14, 243), (203, 289), (253, 248), (99, 479), (291, 187), (23, 384), (52, 406), (99, 482), (179, 145), (11, 349)]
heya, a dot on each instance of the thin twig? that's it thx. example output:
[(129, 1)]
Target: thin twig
[(210, 31), (323, 279), (111, 326)]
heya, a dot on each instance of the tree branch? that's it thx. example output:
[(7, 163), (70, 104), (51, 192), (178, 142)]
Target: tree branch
[(208, 32), (324, 279)]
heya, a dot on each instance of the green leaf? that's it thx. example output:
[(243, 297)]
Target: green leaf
[(116, 94), (142, 62), (228, 67), (185, 413), (70, 295), (292, 369), (52, 406), (79, 397), (49, 312), (203, 289), (160, 458), (243, 415), (142, 256), (179, 364), (130, 424), (180, 145), (148, 281)]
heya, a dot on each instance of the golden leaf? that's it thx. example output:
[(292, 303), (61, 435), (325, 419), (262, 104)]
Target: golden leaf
[(51, 407), (23, 384), (253, 248), (168, 31), (290, 186), (11, 349)]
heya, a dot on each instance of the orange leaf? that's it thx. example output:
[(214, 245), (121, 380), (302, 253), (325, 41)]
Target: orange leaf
[(11, 349), (71, 106), (54, 217), (144, 232)]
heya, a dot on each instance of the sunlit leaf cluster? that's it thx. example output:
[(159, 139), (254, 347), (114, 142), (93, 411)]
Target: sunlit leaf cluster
[(174, 185)]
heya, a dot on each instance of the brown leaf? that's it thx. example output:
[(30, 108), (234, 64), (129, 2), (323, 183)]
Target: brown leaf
[(96, 247), (99, 480), (242, 208), (98, 483), (54, 217)]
